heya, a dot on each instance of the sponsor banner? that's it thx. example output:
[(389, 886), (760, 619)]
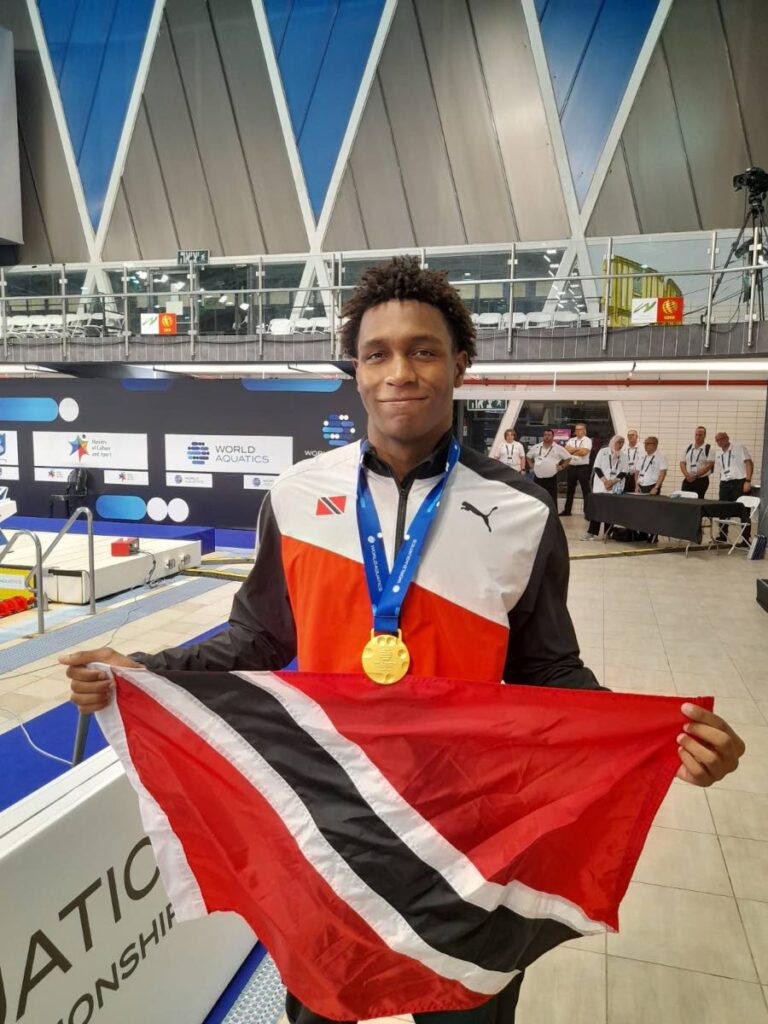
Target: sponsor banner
[(126, 477), (9, 472), (258, 483), (228, 453), (667, 310), (90, 449), (49, 474), (188, 480), (158, 323), (9, 448), (12, 583)]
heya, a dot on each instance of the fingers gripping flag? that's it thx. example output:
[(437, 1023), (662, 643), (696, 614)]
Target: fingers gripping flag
[(397, 849)]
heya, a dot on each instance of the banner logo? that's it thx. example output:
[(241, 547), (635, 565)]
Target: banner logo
[(338, 430), (198, 453), (2, 444), (79, 447)]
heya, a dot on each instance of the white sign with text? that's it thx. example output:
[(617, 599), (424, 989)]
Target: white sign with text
[(228, 453), (90, 449)]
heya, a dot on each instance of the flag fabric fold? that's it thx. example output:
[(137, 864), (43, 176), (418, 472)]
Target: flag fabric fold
[(397, 849)]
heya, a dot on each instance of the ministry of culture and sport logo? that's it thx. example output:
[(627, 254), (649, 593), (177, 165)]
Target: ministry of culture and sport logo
[(198, 453), (2, 444), (338, 430), (78, 446)]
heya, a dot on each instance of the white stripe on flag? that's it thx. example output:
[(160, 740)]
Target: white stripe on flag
[(410, 827), (390, 926), (176, 874)]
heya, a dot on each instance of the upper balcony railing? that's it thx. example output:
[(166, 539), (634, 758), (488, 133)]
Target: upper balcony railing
[(561, 299)]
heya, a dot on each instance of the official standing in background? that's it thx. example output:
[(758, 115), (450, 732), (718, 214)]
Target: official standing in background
[(609, 476), (697, 464), (578, 449), (735, 467), (650, 476), (510, 451), (547, 459), (634, 452)]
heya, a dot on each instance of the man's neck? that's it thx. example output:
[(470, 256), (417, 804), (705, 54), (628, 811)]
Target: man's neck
[(403, 457)]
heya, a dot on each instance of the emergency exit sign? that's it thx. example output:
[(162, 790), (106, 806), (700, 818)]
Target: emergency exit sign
[(186, 256)]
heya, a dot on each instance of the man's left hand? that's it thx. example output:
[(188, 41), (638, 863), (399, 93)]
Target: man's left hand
[(747, 486), (709, 749)]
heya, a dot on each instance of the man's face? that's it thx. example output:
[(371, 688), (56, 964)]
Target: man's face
[(406, 370), (723, 440), (581, 430), (650, 446), (548, 437), (632, 439), (699, 436)]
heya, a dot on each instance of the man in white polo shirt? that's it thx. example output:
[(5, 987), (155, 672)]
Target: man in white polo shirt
[(547, 459), (510, 451), (634, 452), (578, 450), (735, 466), (697, 463), (653, 468)]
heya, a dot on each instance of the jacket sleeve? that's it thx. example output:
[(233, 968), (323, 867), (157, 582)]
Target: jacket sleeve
[(261, 633), (542, 649)]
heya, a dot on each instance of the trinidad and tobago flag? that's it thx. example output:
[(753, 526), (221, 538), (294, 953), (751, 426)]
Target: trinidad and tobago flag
[(397, 849)]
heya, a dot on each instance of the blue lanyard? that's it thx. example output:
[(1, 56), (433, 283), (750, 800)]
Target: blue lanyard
[(387, 589)]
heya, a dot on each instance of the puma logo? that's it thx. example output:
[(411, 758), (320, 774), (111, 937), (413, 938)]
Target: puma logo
[(485, 516)]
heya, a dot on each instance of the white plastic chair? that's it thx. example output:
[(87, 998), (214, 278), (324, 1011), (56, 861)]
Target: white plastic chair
[(303, 324), (563, 318), (538, 320), (748, 501), (320, 323), (489, 321), (281, 326)]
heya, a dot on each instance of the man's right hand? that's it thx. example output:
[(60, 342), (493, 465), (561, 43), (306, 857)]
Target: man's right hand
[(91, 688)]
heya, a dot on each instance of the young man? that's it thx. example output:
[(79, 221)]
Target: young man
[(697, 463), (578, 449), (502, 616), (735, 466), (547, 459), (510, 451)]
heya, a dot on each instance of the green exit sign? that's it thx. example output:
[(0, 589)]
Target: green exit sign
[(185, 256), (486, 404)]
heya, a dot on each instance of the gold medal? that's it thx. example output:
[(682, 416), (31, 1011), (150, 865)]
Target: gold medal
[(386, 658)]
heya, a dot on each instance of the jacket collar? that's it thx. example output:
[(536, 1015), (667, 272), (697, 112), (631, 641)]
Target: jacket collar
[(433, 465)]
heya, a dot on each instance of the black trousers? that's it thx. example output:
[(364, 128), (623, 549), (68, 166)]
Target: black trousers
[(498, 1010), (652, 537), (576, 475), (549, 483), (731, 490), (699, 486)]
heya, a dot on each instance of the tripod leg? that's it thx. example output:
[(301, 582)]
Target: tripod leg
[(731, 255)]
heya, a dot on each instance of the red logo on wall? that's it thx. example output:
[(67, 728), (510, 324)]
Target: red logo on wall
[(670, 310), (167, 323)]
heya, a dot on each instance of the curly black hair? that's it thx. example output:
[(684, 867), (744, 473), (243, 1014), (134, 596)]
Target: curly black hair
[(404, 278)]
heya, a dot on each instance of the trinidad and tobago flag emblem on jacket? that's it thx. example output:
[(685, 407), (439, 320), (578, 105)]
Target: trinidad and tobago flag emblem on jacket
[(331, 506)]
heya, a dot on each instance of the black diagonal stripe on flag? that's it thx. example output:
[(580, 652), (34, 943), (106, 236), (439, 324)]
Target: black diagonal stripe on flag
[(500, 940), (331, 506)]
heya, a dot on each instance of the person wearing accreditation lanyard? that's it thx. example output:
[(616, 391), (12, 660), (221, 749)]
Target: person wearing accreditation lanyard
[(634, 452), (343, 577), (735, 467), (510, 451), (611, 471), (578, 449), (650, 475), (697, 463), (547, 459)]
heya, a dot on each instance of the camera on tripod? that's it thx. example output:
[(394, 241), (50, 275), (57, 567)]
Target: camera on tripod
[(755, 181)]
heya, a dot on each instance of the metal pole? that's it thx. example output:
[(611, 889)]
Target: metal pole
[(192, 309), (511, 297), (607, 302), (81, 735), (260, 306), (753, 283), (64, 333), (3, 314), (711, 293), (91, 561), (125, 312)]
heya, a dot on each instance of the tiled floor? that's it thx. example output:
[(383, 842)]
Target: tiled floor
[(693, 945)]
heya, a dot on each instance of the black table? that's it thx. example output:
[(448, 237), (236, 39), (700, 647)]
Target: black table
[(671, 517)]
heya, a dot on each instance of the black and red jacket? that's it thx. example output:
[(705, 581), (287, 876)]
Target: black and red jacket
[(488, 601)]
